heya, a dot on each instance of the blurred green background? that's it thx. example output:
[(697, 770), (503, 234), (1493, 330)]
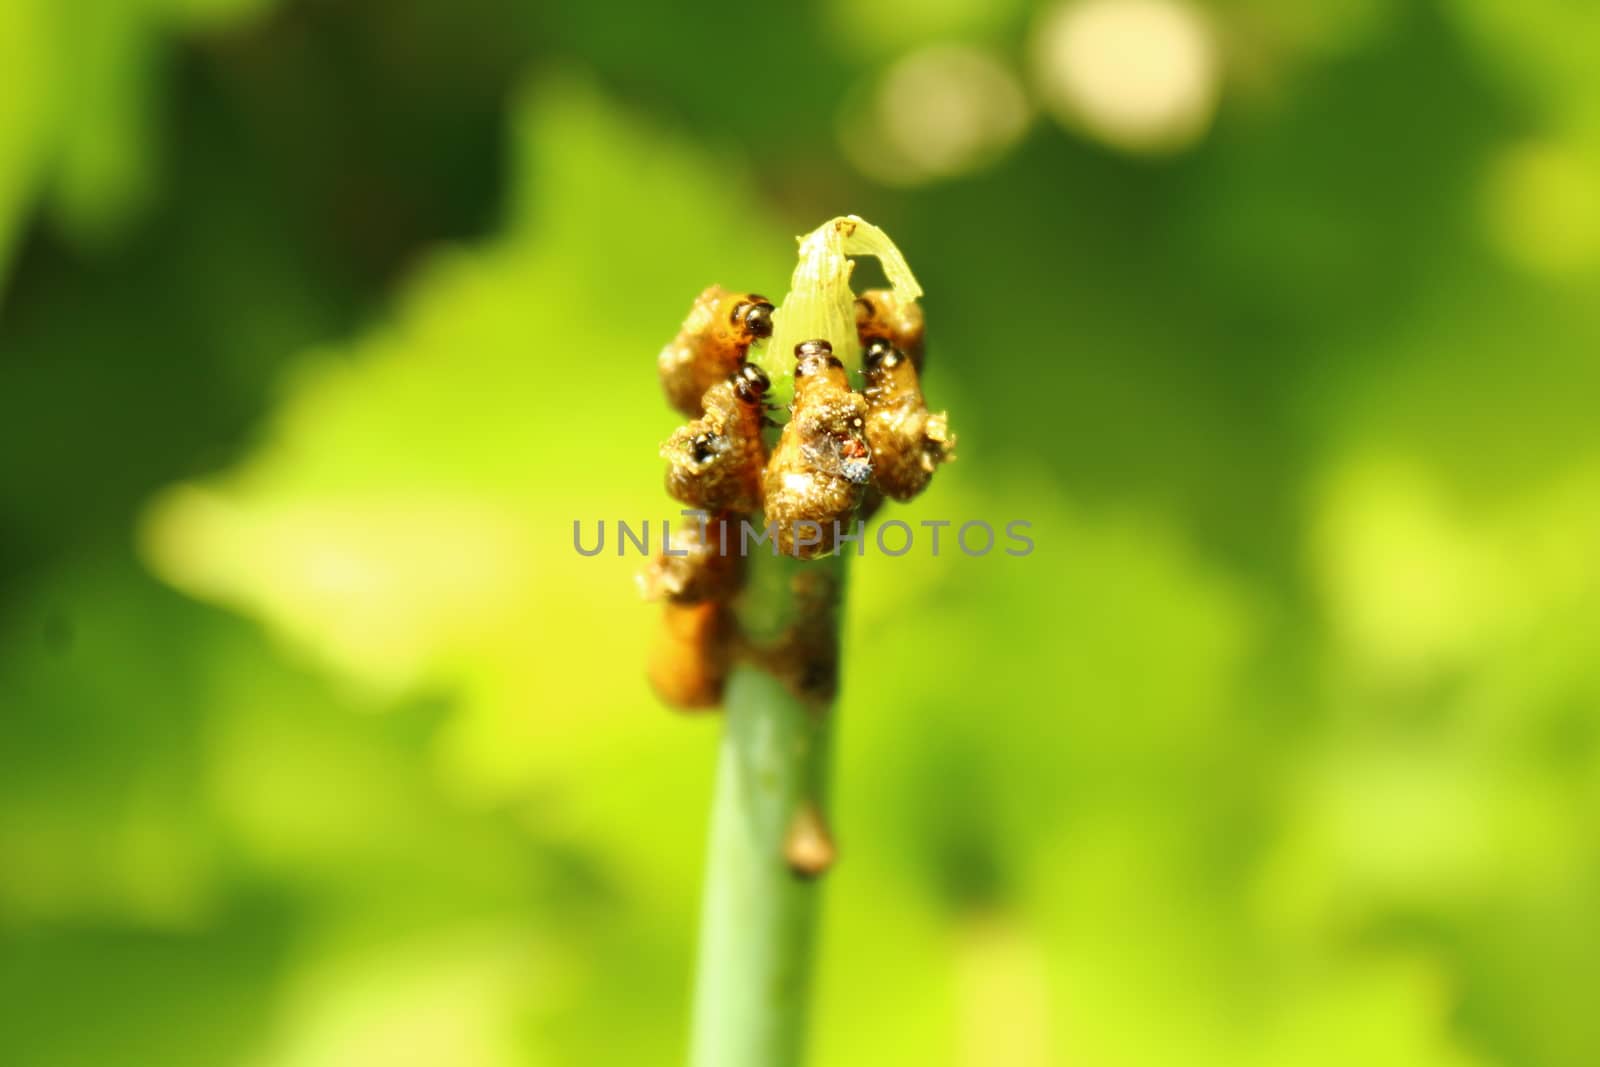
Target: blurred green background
[(322, 320)]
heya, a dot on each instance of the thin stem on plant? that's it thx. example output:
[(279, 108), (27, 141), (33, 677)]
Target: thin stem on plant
[(769, 834), (768, 841)]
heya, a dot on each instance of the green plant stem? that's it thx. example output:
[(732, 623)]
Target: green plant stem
[(759, 917)]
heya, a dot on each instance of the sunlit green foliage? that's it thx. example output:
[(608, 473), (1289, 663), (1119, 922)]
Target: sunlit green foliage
[(320, 746)]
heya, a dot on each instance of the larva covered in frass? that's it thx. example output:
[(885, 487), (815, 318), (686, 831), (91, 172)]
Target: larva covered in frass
[(881, 316), (908, 442), (714, 340), (822, 463), (715, 463), (700, 562)]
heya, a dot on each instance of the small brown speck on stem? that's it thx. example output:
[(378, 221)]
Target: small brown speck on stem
[(808, 847)]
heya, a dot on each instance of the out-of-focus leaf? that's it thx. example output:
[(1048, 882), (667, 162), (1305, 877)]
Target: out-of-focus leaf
[(81, 115), (26, 57)]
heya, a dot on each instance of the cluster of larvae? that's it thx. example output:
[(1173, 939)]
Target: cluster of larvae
[(839, 454)]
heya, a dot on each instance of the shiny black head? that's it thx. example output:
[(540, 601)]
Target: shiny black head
[(809, 355), (750, 383), (880, 355), (754, 314)]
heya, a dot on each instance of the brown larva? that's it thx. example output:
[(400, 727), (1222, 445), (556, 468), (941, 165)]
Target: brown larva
[(881, 316), (688, 661), (822, 462), (716, 461), (908, 443), (709, 567), (714, 340)]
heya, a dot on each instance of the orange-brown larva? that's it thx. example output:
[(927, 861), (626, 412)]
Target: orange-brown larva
[(908, 443), (708, 568), (822, 463), (882, 316), (715, 462), (714, 340), (688, 662)]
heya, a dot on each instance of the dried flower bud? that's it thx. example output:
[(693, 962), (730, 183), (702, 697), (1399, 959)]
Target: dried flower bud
[(712, 343), (908, 443), (822, 463), (716, 461)]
